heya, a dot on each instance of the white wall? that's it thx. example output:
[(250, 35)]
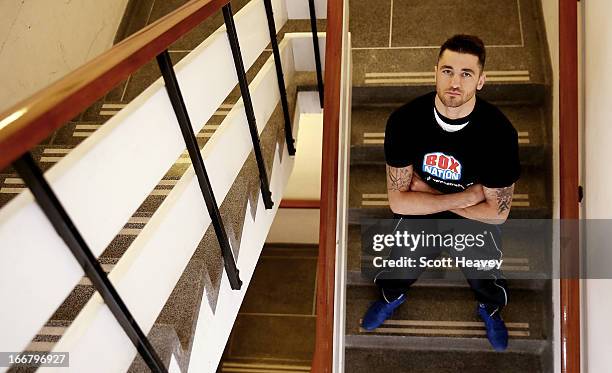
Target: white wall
[(292, 225), (551, 21), (305, 180), (598, 137), (42, 40)]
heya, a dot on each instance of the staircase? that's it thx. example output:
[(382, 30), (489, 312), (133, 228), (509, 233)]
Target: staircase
[(174, 331), (395, 46)]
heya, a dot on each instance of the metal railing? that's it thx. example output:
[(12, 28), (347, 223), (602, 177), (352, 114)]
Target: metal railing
[(32, 120)]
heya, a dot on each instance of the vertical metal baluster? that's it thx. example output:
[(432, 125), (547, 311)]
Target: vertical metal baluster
[(248, 104), (176, 98), (317, 53), (280, 77), (53, 209)]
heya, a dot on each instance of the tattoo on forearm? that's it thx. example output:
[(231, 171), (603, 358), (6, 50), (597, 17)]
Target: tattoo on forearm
[(399, 178), (504, 199)]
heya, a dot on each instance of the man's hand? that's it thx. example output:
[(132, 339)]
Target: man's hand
[(475, 195), (471, 196), (418, 185), (494, 209)]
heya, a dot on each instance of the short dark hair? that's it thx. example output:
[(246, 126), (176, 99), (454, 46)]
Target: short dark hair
[(469, 44)]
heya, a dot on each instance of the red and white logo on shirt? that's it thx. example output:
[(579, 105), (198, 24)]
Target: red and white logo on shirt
[(442, 166)]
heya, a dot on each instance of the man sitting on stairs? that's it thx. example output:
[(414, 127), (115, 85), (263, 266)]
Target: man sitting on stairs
[(422, 139)]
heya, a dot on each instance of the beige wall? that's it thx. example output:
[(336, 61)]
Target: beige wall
[(305, 180), (42, 40), (598, 137)]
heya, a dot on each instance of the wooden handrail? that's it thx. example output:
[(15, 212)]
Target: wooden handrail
[(323, 355), (300, 204), (568, 173), (31, 121)]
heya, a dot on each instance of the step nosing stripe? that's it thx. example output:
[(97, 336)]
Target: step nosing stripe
[(50, 159), (167, 182), (431, 80), (13, 180), (263, 366), (160, 192), (374, 195), (113, 106), (11, 190), (512, 333), (130, 231), (40, 346), (57, 150), (52, 330), (81, 134), (87, 126), (434, 323), (256, 370), (432, 73)]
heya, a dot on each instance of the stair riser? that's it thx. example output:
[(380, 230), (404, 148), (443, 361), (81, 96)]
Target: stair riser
[(518, 94), (370, 155), (385, 361)]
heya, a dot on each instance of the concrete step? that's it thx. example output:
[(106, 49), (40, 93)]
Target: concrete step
[(378, 357), (368, 132), (368, 198)]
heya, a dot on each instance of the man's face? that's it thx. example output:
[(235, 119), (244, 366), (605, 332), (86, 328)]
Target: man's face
[(458, 76)]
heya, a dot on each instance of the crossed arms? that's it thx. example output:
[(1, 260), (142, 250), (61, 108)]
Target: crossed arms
[(409, 195)]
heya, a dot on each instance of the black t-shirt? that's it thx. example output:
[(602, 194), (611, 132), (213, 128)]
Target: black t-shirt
[(485, 151)]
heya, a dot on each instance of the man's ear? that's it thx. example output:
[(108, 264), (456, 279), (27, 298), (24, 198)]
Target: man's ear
[(481, 81)]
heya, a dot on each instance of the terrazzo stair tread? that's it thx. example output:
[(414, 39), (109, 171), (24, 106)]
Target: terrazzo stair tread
[(431, 280), (447, 312), (525, 258), (530, 196), (379, 360), (165, 342), (368, 128), (267, 364), (515, 39)]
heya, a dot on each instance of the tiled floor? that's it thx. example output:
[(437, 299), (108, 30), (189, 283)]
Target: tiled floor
[(276, 323)]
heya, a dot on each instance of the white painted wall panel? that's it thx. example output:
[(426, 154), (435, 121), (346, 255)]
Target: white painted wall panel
[(598, 137), (298, 9), (304, 52)]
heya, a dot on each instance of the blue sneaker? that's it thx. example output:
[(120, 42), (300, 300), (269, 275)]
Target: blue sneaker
[(379, 311), (496, 329)]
